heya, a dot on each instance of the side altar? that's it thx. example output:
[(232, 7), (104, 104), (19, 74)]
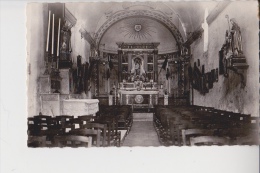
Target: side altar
[(56, 104)]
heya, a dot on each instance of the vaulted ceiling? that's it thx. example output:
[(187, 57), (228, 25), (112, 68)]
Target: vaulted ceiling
[(166, 22)]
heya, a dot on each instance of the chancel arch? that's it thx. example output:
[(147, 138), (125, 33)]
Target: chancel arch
[(121, 15), (138, 30)]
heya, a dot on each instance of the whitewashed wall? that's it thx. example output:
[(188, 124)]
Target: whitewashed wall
[(37, 20), (227, 94)]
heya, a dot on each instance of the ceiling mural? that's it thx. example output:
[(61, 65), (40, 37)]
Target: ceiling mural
[(137, 28)]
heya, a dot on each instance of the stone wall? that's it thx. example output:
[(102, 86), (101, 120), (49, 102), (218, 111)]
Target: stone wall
[(227, 93)]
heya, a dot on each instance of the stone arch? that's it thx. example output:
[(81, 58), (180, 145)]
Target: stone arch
[(139, 13)]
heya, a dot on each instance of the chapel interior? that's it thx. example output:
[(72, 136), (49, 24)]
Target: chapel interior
[(125, 74)]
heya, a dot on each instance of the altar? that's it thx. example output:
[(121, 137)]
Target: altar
[(138, 97), (56, 104)]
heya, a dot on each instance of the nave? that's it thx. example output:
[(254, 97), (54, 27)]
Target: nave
[(166, 126), (142, 133), (190, 69)]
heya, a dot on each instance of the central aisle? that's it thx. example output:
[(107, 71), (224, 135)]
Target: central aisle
[(142, 134)]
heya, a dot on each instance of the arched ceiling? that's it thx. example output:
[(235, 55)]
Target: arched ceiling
[(138, 30), (186, 17), (122, 15)]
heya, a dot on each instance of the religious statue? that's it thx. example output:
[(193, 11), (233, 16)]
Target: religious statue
[(231, 54), (65, 47), (137, 67), (64, 44), (236, 38)]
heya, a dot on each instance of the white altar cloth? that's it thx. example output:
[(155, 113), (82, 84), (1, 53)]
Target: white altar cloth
[(78, 107)]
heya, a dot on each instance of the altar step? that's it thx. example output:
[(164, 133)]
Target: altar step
[(142, 116), (142, 109)]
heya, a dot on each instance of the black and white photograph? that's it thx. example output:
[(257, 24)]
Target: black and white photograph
[(114, 76), (84, 97)]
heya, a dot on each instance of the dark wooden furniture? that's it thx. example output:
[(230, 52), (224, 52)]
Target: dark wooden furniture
[(103, 131), (36, 141), (73, 141), (209, 140), (94, 134)]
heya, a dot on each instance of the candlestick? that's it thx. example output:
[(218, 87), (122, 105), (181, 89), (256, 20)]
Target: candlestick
[(47, 44), (58, 42), (41, 104), (57, 62), (52, 45)]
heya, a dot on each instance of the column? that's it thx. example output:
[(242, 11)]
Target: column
[(156, 99), (145, 62), (120, 53), (169, 80), (110, 100), (41, 103), (151, 99), (121, 99), (127, 99), (115, 96), (165, 100), (167, 85), (129, 56), (108, 85), (59, 104), (155, 62)]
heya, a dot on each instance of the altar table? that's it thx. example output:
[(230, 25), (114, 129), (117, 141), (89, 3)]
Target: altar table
[(141, 97)]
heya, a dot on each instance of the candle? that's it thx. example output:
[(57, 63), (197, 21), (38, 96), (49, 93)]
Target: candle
[(52, 45), (58, 42), (47, 44)]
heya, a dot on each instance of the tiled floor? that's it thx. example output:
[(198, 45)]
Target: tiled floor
[(142, 134)]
